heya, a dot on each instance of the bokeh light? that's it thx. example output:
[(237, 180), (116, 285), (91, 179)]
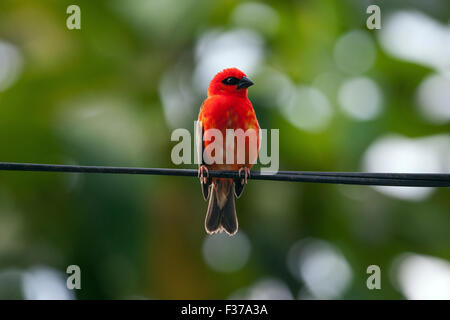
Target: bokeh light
[(270, 289), (355, 52), (44, 283), (308, 109), (416, 37), (434, 98), (422, 277), (226, 254), (274, 87), (216, 50), (395, 153), (321, 266), (264, 289), (11, 64), (177, 97), (157, 18), (360, 98), (256, 15)]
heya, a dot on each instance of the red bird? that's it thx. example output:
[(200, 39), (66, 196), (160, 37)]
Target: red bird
[(226, 107)]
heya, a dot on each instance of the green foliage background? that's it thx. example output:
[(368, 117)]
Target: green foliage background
[(139, 236)]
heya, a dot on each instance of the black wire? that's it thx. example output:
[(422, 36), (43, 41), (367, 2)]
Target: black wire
[(356, 178), (418, 176)]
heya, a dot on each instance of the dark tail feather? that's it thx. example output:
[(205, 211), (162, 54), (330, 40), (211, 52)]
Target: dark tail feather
[(238, 188), (213, 215), (221, 213)]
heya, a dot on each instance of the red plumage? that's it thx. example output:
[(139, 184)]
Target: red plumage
[(226, 107)]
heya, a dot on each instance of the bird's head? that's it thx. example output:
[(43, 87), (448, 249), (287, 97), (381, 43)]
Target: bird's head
[(230, 81)]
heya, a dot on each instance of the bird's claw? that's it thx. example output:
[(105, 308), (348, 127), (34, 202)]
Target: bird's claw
[(203, 174), (246, 174)]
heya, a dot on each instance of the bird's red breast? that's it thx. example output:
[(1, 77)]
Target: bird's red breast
[(228, 107)]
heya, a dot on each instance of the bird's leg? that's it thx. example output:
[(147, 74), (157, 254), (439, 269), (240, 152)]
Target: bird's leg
[(246, 174), (203, 174)]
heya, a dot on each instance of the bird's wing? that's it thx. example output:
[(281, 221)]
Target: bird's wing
[(199, 139), (199, 148)]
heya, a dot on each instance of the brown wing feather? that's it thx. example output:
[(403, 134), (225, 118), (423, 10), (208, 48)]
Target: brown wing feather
[(199, 149)]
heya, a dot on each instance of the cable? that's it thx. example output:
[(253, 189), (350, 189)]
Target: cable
[(416, 176), (355, 178)]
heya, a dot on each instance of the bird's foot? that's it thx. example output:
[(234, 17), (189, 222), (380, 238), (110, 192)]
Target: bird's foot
[(203, 174), (246, 174)]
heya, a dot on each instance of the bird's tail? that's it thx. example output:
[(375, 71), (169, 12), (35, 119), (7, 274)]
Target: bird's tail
[(221, 213)]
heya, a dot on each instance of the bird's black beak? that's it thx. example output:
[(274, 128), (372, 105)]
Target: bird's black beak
[(244, 83)]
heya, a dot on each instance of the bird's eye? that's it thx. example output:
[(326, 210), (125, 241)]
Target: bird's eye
[(230, 81)]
